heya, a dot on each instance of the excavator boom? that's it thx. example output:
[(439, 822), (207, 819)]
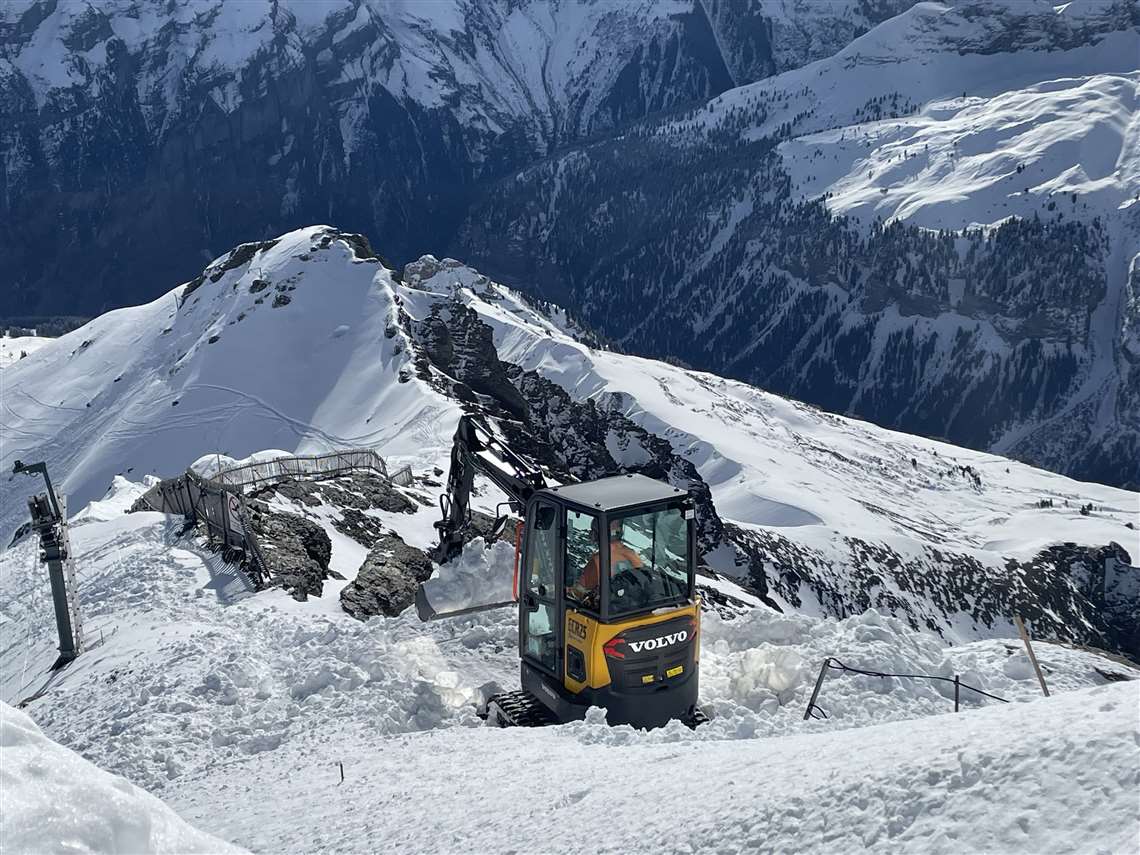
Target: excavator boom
[(479, 447)]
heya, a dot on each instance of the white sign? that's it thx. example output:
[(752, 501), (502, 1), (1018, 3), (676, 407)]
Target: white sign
[(233, 514)]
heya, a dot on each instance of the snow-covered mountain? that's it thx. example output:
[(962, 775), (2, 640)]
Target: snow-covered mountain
[(551, 144), (308, 342), (936, 228), (146, 137)]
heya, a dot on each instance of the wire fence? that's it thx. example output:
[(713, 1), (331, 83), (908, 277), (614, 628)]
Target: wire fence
[(311, 467), (833, 664)]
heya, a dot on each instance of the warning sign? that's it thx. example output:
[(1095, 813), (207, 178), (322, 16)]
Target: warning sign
[(233, 514)]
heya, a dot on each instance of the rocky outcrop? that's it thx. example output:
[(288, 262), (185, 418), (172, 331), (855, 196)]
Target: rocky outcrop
[(573, 439), (297, 550), (386, 582), (1060, 592), (353, 495)]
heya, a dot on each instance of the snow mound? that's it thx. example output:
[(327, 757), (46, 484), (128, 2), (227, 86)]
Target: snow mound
[(480, 576), (55, 801)]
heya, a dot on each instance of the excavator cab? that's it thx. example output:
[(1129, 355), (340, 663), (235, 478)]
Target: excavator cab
[(607, 611)]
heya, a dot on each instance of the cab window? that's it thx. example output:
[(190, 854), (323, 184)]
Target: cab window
[(582, 559), (649, 557)]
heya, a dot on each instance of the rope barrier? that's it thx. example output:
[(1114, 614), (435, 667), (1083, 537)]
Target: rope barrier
[(835, 665)]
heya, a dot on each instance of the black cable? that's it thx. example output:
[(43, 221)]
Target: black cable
[(839, 666)]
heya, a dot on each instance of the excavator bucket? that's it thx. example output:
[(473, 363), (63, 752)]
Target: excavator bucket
[(482, 577)]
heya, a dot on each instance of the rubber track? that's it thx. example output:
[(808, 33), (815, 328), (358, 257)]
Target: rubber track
[(520, 709)]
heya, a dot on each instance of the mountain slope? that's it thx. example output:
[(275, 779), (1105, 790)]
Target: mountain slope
[(786, 230), (145, 138), (309, 343)]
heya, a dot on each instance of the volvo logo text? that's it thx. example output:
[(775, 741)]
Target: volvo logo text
[(657, 643)]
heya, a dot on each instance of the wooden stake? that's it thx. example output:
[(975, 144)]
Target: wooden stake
[(1029, 649)]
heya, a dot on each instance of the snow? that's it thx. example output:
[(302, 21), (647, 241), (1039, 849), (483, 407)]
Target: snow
[(778, 463), (55, 801), (204, 702), (542, 67), (1042, 777), (977, 161), (11, 347), (481, 575), (238, 710)]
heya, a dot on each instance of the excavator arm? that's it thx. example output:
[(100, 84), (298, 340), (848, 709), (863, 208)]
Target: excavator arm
[(479, 447)]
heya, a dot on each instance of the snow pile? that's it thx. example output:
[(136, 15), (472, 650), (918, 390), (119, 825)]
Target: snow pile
[(1055, 775), (758, 672), (55, 801), (478, 577)]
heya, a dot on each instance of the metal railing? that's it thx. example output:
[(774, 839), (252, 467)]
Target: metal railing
[(218, 502), (310, 467), (221, 509)]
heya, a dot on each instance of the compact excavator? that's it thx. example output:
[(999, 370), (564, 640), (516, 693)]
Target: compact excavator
[(604, 582)]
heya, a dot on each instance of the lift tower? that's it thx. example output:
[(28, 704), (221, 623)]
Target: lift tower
[(49, 520)]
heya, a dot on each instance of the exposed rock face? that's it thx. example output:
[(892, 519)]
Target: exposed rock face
[(296, 549), (572, 438), (386, 583), (1060, 591)]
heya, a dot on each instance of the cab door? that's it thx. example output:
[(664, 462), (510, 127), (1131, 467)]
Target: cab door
[(540, 628)]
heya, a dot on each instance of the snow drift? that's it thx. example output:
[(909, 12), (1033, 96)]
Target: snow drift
[(55, 801)]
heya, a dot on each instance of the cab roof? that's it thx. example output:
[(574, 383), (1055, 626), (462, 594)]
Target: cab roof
[(618, 492)]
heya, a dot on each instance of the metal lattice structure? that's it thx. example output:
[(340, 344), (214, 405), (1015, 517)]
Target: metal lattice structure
[(310, 467), (49, 521), (220, 509)]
